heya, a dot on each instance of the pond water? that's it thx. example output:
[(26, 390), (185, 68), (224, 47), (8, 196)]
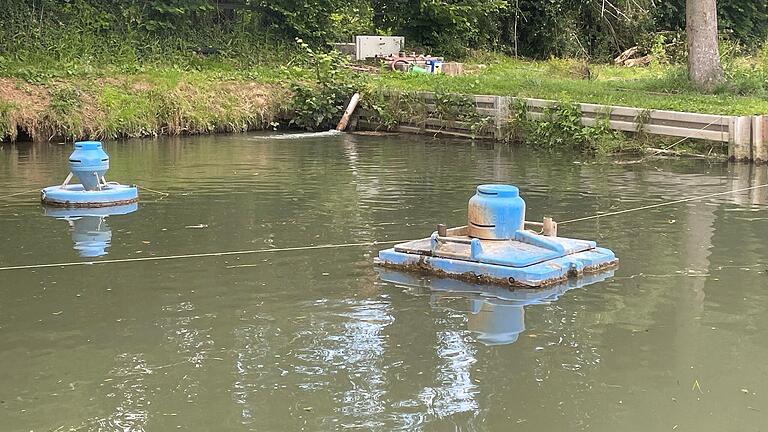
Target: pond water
[(676, 339)]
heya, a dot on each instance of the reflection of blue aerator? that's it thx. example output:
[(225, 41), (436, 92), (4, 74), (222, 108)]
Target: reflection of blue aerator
[(91, 235), (495, 314), (89, 163), (495, 323), (90, 231)]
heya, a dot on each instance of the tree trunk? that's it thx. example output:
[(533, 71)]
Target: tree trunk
[(704, 68)]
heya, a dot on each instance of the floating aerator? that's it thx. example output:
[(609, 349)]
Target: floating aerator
[(89, 163), (496, 248)]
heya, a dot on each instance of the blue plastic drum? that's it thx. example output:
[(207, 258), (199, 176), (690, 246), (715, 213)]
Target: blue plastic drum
[(496, 212), (89, 162)]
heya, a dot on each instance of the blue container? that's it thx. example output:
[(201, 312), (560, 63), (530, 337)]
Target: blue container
[(496, 212), (89, 162), (434, 66)]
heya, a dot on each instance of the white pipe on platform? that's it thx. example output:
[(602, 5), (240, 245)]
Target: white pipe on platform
[(348, 112)]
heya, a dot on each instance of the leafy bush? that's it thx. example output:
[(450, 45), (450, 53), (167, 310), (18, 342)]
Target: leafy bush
[(561, 128), (323, 88)]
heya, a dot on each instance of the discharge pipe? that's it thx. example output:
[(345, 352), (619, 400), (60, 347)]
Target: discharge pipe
[(342, 126)]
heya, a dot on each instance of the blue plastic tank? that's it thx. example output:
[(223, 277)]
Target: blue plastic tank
[(495, 212), (89, 162)]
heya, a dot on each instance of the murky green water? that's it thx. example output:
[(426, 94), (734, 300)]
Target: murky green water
[(313, 340)]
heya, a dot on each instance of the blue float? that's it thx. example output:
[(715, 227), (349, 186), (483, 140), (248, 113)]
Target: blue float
[(89, 164), (496, 248), (91, 233)]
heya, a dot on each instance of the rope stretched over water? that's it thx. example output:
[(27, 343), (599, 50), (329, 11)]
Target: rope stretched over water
[(343, 245), (668, 203), (199, 255), (20, 193), (164, 194), (689, 136)]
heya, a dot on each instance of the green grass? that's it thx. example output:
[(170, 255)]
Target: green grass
[(5, 117), (656, 87), (154, 101)]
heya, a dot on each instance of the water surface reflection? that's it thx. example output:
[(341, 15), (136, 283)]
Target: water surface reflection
[(90, 232), (314, 340)]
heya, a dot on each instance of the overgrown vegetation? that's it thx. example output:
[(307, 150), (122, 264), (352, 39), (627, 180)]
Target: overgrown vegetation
[(44, 39), (321, 88), (560, 127), (136, 106), (393, 108)]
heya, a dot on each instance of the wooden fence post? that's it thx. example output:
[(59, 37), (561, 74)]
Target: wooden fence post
[(760, 138), (740, 145)]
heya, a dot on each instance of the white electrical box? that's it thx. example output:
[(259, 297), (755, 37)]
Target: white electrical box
[(377, 46)]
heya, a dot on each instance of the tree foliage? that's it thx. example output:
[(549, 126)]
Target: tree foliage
[(746, 21), (597, 29), (449, 27)]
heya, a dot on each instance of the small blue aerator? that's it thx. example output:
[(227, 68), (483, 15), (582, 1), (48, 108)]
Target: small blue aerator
[(89, 163), (494, 247)]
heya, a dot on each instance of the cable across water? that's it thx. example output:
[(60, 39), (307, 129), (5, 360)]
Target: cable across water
[(696, 198), (343, 245), (20, 193), (199, 255)]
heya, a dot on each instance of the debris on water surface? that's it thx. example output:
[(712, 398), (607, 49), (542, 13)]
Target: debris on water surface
[(696, 386), (199, 226)]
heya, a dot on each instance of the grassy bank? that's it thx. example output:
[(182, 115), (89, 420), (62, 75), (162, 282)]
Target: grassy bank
[(194, 94), (657, 87), (157, 101)]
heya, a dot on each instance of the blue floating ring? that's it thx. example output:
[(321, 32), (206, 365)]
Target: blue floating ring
[(75, 195)]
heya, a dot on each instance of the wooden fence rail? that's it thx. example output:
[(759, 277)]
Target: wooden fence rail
[(746, 136)]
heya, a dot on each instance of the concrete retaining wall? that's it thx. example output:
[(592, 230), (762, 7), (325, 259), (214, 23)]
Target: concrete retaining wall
[(746, 136)]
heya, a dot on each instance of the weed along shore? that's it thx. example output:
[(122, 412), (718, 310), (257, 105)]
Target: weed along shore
[(587, 127)]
